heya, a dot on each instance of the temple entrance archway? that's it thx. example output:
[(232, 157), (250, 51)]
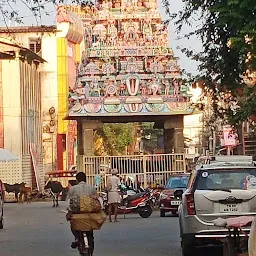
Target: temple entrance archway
[(128, 73), (148, 170)]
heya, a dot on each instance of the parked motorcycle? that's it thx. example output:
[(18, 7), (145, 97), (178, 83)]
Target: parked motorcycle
[(140, 203)]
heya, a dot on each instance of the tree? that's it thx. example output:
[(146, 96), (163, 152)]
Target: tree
[(113, 139), (150, 136), (227, 62)]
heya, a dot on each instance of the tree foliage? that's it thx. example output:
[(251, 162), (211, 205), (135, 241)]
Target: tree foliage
[(227, 29), (114, 138), (150, 137)]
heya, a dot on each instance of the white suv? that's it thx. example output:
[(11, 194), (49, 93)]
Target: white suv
[(218, 189)]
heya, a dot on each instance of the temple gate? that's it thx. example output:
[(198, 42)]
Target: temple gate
[(128, 73)]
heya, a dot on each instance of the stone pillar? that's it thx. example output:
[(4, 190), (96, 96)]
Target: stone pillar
[(85, 136), (85, 140), (173, 134), (168, 141)]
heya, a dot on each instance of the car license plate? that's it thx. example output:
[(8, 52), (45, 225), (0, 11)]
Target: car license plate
[(229, 208), (175, 202)]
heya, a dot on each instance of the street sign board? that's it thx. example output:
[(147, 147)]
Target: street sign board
[(229, 137)]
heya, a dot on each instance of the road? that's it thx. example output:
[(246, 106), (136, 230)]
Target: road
[(38, 229)]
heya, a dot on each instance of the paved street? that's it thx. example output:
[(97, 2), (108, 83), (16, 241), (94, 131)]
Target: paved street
[(38, 229)]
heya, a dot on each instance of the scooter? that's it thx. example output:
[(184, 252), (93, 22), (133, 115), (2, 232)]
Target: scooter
[(126, 191), (140, 203)]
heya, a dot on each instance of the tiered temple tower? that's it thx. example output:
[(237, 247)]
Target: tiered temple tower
[(128, 71)]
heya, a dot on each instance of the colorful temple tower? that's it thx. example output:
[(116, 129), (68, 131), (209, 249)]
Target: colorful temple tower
[(128, 71)]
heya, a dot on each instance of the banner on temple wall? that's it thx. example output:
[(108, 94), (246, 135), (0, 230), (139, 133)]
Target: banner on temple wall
[(71, 135)]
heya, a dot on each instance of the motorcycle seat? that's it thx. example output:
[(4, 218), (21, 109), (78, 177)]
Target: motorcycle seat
[(136, 196)]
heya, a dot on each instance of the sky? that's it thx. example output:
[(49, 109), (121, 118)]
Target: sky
[(175, 5)]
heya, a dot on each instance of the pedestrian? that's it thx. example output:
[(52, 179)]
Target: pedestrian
[(113, 194)]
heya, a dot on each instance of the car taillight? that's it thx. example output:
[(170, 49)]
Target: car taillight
[(190, 204)]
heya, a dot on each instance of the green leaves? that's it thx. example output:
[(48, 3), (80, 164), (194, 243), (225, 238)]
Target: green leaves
[(116, 137), (228, 34)]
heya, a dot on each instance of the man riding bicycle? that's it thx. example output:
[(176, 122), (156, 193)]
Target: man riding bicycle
[(81, 189)]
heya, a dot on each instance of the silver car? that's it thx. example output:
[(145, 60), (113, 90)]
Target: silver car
[(218, 189)]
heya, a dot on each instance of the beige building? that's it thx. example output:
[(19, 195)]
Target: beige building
[(59, 46), (20, 116), (42, 41)]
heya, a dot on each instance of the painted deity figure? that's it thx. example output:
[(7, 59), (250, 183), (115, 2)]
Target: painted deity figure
[(166, 87), (102, 89), (147, 30), (77, 95), (122, 88), (123, 5), (112, 32), (143, 88), (94, 88), (131, 31), (162, 37), (172, 66), (184, 90), (72, 95), (162, 40), (105, 5), (152, 4), (176, 87), (130, 5), (154, 86), (141, 41)]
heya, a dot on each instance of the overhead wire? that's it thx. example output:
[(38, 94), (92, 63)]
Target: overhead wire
[(31, 9), (34, 8), (30, 16)]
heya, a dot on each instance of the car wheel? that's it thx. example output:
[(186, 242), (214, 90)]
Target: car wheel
[(188, 249), (162, 213)]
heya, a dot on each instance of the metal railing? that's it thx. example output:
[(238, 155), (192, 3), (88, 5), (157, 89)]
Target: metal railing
[(148, 170)]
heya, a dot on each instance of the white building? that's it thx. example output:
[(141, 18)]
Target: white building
[(20, 103)]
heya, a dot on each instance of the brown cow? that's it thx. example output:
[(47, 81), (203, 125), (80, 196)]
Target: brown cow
[(14, 188), (25, 194)]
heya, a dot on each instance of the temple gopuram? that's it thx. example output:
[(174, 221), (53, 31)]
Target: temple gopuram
[(128, 72)]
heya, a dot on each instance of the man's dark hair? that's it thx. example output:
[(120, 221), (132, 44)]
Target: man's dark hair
[(81, 177)]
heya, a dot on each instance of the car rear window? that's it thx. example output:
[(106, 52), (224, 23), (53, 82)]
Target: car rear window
[(177, 182), (244, 179)]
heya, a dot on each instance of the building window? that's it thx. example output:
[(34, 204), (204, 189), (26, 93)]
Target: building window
[(35, 45)]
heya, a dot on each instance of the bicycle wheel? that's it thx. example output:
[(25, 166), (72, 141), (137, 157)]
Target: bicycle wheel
[(229, 247), (83, 248), (84, 252)]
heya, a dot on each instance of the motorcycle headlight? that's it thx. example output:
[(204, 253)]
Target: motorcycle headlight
[(163, 196)]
